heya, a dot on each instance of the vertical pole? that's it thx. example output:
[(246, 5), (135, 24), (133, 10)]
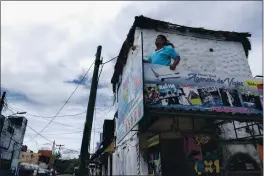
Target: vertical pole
[(85, 155), (111, 164), (2, 102), (2, 120)]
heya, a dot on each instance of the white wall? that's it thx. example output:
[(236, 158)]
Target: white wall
[(15, 144), (125, 157), (228, 57)]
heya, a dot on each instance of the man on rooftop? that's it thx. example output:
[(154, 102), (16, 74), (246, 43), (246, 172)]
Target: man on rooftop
[(163, 53)]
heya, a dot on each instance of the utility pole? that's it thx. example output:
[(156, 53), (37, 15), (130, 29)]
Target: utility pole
[(2, 120), (2, 102), (85, 155), (59, 149), (60, 146)]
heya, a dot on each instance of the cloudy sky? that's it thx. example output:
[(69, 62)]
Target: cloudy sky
[(47, 46)]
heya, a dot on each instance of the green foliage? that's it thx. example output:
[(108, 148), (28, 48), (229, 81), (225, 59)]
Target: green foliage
[(66, 166)]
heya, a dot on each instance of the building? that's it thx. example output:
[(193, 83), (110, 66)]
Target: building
[(29, 157), (204, 118), (101, 160), (12, 136), (46, 158)]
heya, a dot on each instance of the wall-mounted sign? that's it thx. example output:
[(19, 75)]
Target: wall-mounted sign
[(110, 148), (153, 141), (130, 92), (190, 90), (202, 139)]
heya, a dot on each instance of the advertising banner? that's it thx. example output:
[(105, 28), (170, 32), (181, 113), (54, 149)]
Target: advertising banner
[(204, 91), (130, 92)]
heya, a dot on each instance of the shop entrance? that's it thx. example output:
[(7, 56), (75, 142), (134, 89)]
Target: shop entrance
[(173, 157)]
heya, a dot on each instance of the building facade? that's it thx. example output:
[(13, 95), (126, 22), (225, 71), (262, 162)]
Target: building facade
[(29, 157), (203, 118), (12, 136)]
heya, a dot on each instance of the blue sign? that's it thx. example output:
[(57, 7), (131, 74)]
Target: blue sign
[(192, 90), (130, 94)]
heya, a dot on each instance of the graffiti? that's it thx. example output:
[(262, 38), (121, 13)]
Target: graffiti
[(207, 167), (202, 139), (154, 164)]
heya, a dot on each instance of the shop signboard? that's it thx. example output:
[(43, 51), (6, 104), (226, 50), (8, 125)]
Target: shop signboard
[(153, 141), (130, 91), (203, 91)]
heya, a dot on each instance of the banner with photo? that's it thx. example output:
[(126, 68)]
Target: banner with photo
[(192, 90)]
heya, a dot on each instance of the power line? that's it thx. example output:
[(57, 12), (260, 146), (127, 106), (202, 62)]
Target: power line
[(64, 103), (39, 134), (31, 114), (56, 122), (62, 133), (47, 138), (15, 108), (110, 60)]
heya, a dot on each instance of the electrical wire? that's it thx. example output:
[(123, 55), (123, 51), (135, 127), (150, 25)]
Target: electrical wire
[(56, 122), (17, 109), (110, 60), (64, 103), (39, 134), (47, 138), (62, 133)]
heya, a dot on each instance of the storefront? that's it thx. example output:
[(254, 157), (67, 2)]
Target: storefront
[(179, 105), (102, 158)]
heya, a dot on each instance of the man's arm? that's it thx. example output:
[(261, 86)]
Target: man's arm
[(148, 60), (175, 63), (175, 56)]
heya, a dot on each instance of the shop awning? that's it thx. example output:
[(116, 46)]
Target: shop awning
[(107, 147)]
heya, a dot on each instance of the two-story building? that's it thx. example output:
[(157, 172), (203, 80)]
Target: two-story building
[(203, 117), (12, 136)]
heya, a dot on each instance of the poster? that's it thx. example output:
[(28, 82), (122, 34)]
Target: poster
[(191, 90), (130, 92)]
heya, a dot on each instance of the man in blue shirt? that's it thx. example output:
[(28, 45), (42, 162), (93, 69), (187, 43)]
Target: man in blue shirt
[(163, 53)]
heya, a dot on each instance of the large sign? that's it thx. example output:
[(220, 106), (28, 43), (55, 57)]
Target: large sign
[(192, 90), (130, 92)]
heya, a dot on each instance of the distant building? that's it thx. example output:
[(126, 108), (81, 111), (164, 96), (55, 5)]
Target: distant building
[(12, 136), (45, 156), (29, 157)]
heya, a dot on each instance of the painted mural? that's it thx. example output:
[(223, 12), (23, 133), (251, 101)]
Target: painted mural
[(202, 152), (154, 163)]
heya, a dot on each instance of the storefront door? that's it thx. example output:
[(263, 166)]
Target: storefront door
[(173, 160)]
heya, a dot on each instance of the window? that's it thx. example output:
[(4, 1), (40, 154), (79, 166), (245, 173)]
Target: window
[(10, 130)]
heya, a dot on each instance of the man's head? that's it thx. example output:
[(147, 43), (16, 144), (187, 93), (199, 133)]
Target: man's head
[(161, 40)]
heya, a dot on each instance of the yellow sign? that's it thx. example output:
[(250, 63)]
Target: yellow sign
[(202, 139), (110, 148), (252, 84), (153, 141)]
